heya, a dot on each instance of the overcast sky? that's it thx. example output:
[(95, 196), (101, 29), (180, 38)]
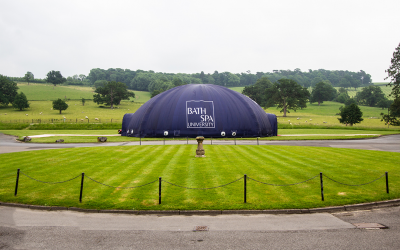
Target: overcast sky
[(191, 36)]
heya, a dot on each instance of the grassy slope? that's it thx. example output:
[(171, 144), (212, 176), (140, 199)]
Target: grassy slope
[(138, 165), (46, 92)]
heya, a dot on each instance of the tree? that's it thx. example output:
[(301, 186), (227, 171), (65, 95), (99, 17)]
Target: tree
[(322, 92), (393, 114), (112, 93), (55, 78), (59, 105), (350, 114), (83, 101), (370, 96), (394, 73), (257, 92), (384, 103), (20, 101), (29, 77), (287, 94), (8, 90)]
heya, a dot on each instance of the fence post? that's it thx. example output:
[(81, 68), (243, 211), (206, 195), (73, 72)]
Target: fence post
[(387, 182), (211, 140), (164, 140), (322, 186), (235, 140), (16, 184), (257, 141), (159, 190), (80, 196), (187, 140), (245, 188), (140, 138)]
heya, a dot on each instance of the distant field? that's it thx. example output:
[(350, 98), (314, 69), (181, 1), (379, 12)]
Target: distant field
[(46, 92), (385, 89), (313, 114), (237, 89), (75, 111)]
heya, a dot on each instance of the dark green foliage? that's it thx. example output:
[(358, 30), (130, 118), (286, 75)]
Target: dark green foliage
[(141, 80), (322, 92), (394, 76), (29, 77), (13, 126), (257, 92), (83, 101), (112, 93), (55, 77), (394, 73), (343, 97), (350, 101), (370, 96), (156, 92), (60, 105), (8, 90), (384, 103), (393, 113), (350, 114), (287, 94), (20, 101)]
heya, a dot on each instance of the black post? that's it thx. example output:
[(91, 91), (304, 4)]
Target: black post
[(140, 138), (164, 140), (16, 184), (322, 186), (235, 140), (187, 140), (387, 182), (159, 190), (245, 188), (211, 140), (257, 141), (80, 196)]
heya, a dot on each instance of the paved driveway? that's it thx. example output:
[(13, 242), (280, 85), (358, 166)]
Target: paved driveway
[(390, 143)]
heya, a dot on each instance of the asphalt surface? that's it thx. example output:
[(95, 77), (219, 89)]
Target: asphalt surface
[(33, 229), (391, 143), (28, 229)]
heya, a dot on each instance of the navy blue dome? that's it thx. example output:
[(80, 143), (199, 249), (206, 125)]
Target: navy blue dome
[(200, 109)]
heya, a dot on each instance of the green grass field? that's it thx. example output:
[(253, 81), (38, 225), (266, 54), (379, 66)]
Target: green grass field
[(132, 166), (46, 92)]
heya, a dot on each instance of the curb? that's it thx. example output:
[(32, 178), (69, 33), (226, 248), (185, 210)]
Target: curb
[(361, 206)]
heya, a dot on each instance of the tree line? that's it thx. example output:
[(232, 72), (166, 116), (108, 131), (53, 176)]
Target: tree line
[(157, 82), (150, 80)]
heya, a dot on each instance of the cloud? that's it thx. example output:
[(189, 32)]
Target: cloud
[(193, 36)]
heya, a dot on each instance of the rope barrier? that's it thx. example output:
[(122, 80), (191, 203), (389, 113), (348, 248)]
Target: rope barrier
[(351, 184), (203, 188), (283, 184), (119, 187), (49, 182)]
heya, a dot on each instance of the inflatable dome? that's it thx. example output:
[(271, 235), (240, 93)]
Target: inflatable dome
[(200, 110)]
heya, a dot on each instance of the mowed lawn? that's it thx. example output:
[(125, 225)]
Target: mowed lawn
[(132, 166)]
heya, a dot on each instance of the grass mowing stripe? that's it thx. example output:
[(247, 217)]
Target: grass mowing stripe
[(221, 165)]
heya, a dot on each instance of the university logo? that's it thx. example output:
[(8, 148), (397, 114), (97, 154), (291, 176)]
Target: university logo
[(200, 114)]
